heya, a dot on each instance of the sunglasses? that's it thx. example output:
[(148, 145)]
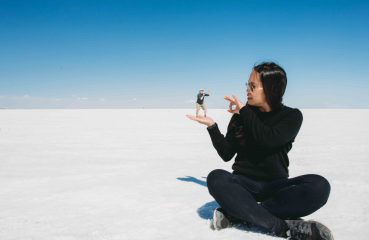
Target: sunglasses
[(250, 86)]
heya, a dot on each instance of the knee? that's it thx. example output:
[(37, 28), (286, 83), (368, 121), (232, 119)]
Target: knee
[(321, 187), (215, 175), (215, 178)]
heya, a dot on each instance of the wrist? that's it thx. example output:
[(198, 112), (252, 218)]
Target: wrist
[(243, 108), (211, 124)]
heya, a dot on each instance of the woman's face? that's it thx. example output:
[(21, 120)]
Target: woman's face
[(255, 93)]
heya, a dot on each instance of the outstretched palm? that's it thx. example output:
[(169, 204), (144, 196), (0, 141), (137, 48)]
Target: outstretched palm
[(203, 120)]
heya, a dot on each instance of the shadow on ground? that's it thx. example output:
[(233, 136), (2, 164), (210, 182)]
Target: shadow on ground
[(206, 210), (194, 180)]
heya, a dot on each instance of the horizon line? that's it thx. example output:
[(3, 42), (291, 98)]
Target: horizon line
[(140, 108)]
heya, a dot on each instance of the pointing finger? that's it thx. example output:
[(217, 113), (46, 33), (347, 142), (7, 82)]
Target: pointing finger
[(229, 98)]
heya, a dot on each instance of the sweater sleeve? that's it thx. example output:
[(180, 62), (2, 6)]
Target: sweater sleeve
[(222, 144), (272, 136)]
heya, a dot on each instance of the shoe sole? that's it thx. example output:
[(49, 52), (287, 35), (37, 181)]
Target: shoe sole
[(218, 217)]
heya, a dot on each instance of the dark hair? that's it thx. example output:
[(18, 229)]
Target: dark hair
[(274, 80)]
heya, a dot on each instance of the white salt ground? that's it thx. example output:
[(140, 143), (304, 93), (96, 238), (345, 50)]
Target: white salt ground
[(139, 174)]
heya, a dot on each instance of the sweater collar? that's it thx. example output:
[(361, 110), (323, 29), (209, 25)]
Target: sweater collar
[(266, 114)]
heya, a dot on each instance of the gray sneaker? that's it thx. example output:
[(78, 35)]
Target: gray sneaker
[(308, 230), (219, 221)]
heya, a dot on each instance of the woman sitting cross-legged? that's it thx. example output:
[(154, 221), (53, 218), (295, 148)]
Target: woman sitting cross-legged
[(259, 190)]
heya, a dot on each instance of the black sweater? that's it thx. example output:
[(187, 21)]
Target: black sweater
[(261, 141)]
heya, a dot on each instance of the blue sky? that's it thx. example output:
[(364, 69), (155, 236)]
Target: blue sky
[(140, 53)]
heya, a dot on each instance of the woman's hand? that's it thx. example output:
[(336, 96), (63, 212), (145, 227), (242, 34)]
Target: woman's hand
[(203, 120), (234, 104)]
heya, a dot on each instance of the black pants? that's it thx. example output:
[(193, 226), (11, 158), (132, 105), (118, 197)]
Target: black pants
[(267, 204)]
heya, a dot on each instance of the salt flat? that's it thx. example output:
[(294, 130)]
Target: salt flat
[(139, 174)]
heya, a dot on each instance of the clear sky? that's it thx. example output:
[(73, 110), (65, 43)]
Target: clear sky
[(141, 53)]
